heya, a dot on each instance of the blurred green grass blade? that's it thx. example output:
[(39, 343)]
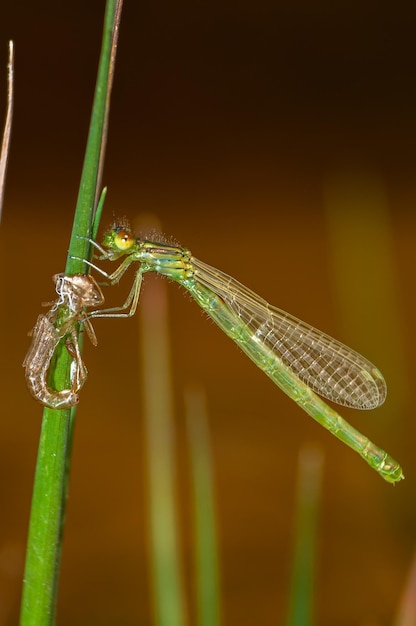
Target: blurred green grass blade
[(207, 568), (167, 581), (53, 462), (363, 272), (303, 570)]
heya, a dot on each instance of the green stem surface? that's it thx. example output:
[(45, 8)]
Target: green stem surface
[(43, 554)]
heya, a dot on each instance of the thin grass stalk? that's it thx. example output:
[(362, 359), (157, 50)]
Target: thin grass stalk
[(206, 541), (5, 144), (303, 568), (361, 260), (406, 614), (166, 569), (43, 553)]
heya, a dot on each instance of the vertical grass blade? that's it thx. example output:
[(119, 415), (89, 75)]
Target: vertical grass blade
[(206, 566), (166, 568), (52, 469), (361, 248), (90, 184), (307, 502), (407, 609), (5, 144)]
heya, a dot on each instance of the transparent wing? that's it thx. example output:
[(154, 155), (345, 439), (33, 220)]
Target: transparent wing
[(327, 366)]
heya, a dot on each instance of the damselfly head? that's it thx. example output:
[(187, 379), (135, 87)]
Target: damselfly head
[(119, 239)]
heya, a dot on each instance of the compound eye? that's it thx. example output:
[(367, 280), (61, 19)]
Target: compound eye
[(124, 240)]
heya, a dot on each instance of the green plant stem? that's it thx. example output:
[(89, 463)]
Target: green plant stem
[(206, 543), (166, 566), (53, 463), (43, 553), (304, 568)]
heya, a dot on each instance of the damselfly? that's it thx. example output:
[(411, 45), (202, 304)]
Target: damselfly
[(299, 359), (75, 293)]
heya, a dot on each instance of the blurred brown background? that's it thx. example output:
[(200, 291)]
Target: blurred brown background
[(250, 131)]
